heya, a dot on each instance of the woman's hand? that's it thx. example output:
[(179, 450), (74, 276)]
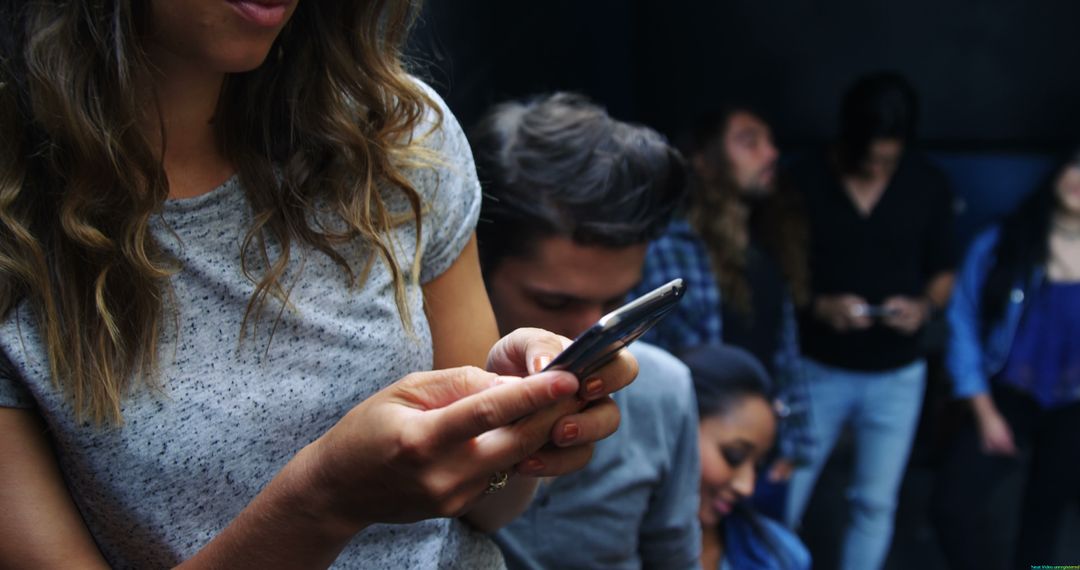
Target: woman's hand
[(427, 445), (456, 302), (575, 424), (424, 447), (995, 435)]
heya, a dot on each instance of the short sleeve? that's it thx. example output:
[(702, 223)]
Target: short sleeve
[(13, 394), (450, 190)]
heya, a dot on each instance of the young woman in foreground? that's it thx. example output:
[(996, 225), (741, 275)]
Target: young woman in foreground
[(226, 228)]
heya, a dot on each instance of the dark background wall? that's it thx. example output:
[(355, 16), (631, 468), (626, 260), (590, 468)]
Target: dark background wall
[(992, 73)]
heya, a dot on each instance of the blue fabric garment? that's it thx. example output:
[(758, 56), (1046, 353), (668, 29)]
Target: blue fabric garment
[(760, 543), (970, 359), (795, 441), (635, 504), (1045, 357), (697, 319), (881, 408)]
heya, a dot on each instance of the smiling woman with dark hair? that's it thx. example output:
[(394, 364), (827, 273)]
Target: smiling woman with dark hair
[(736, 431)]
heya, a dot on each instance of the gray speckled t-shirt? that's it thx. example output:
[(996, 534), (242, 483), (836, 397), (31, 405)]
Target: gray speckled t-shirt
[(190, 457)]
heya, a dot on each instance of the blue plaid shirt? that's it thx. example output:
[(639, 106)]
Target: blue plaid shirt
[(698, 320)]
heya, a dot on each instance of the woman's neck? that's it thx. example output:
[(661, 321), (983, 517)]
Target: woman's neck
[(1064, 262), (186, 100), (865, 191), (1067, 222), (712, 546)]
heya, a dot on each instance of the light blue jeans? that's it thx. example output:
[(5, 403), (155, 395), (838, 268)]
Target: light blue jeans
[(882, 409)]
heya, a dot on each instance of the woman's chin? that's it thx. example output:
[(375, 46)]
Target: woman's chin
[(244, 60)]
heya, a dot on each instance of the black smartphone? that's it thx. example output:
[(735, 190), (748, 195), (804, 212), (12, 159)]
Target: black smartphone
[(614, 331)]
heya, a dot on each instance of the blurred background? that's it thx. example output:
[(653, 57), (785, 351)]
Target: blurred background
[(998, 82), (997, 78), (998, 73)]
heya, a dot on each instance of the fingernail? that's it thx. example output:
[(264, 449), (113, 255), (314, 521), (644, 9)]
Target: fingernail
[(541, 362), (563, 385), (533, 465), (570, 432), (594, 387)]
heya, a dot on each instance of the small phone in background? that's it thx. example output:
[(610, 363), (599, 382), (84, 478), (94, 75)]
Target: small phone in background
[(874, 311), (600, 343)]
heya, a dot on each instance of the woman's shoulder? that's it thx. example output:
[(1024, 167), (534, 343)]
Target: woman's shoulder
[(983, 244), (446, 181), (438, 147), (438, 129)]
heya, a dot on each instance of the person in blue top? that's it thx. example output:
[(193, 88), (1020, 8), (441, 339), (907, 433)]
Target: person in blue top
[(1014, 355), (736, 430)]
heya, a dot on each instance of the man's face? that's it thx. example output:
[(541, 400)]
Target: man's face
[(882, 158), (748, 147), (563, 287)]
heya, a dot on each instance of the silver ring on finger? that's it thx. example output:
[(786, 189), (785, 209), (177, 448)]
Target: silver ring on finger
[(498, 480)]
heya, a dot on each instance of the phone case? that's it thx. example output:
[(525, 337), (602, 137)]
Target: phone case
[(600, 343)]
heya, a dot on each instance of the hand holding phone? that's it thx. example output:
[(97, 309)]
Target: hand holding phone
[(600, 343), (873, 311)]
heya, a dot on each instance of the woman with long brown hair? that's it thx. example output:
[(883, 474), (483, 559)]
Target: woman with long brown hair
[(226, 228)]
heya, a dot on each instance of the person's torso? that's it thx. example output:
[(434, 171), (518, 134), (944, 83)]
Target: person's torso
[(875, 256), (594, 518), (235, 404), (757, 327), (1044, 356)]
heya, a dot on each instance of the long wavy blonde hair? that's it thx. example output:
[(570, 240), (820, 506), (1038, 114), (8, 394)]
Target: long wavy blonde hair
[(328, 116)]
